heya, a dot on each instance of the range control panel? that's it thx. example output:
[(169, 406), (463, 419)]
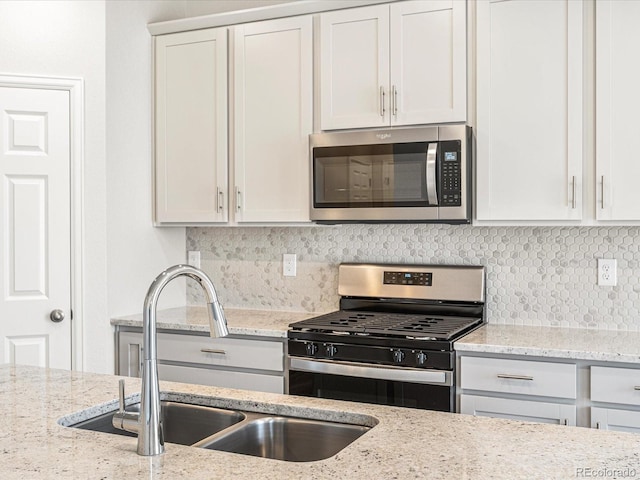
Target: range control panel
[(408, 278)]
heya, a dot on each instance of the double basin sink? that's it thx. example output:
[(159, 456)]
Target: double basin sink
[(293, 439)]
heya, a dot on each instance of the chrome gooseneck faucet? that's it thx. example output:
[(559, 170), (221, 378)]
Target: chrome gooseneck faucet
[(147, 423)]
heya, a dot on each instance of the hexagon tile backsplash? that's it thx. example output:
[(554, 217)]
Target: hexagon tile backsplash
[(535, 275)]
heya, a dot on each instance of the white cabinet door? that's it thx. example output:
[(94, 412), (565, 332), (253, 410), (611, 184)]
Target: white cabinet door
[(614, 419), (529, 110), (525, 410), (617, 105), (273, 101), (191, 126), (354, 76), (428, 62)]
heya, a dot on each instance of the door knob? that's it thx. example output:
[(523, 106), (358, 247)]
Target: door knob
[(56, 315)]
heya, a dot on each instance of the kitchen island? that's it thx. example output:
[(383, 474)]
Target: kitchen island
[(405, 443)]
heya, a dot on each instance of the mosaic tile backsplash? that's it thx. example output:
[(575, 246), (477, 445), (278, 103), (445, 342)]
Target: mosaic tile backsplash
[(535, 275)]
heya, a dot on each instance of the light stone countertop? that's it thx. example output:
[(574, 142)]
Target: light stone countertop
[(267, 323), (405, 444), (568, 343)]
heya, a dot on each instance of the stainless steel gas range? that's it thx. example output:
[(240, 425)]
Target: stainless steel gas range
[(392, 340)]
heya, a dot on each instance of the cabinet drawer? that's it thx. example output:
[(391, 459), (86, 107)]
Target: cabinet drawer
[(228, 352), (522, 377), (615, 385), (222, 378)]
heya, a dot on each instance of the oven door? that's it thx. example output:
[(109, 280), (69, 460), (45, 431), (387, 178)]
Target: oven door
[(385, 385)]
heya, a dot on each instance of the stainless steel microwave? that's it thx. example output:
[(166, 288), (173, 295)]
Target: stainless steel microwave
[(411, 175)]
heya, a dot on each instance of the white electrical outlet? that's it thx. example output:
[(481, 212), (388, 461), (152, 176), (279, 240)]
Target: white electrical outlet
[(607, 275), (289, 264), (193, 258)]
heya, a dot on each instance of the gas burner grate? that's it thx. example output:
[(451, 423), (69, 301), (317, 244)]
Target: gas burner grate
[(389, 324)]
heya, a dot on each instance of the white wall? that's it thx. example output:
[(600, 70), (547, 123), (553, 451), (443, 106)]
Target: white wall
[(136, 250), (67, 39)]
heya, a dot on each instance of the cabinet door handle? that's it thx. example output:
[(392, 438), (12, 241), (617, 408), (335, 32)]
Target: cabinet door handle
[(602, 192), (213, 350), (220, 199), (565, 421), (598, 425), (637, 387), (394, 100), (515, 377), (238, 199), (382, 95), (573, 190)]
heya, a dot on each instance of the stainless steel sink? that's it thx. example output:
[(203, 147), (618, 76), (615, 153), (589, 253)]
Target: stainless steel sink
[(292, 439), (285, 438), (182, 423)]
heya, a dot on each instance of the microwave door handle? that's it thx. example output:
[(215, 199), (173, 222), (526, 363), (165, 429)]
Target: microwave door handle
[(432, 193)]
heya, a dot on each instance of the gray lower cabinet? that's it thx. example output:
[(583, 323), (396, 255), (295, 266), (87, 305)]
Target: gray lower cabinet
[(244, 362), (586, 393), (615, 396), (533, 391)]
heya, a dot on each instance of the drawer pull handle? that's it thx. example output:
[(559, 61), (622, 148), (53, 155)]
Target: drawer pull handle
[(213, 350), (637, 387), (514, 377)]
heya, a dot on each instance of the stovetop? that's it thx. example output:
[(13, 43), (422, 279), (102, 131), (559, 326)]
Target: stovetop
[(385, 324)]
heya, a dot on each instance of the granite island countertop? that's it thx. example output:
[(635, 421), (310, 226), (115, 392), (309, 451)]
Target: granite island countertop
[(406, 443), (567, 343), (267, 323)]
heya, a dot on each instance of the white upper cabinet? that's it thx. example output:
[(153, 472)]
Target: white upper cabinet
[(271, 99), (617, 106), (191, 127), (428, 62), (273, 102), (354, 68), (397, 64), (529, 110)]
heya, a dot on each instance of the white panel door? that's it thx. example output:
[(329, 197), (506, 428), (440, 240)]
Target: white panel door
[(35, 265), (273, 101), (617, 105), (529, 110), (354, 76), (191, 127), (428, 62)]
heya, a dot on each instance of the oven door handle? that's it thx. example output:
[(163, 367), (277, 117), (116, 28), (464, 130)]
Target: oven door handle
[(348, 369)]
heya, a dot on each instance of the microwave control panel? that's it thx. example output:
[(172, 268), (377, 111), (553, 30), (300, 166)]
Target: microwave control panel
[(450, 173)]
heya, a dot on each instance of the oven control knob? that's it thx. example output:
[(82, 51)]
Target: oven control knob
[(421, 357), (331, 350), (312, 348), (398, 356)]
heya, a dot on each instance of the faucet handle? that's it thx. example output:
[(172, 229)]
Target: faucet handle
[(122, 420)]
